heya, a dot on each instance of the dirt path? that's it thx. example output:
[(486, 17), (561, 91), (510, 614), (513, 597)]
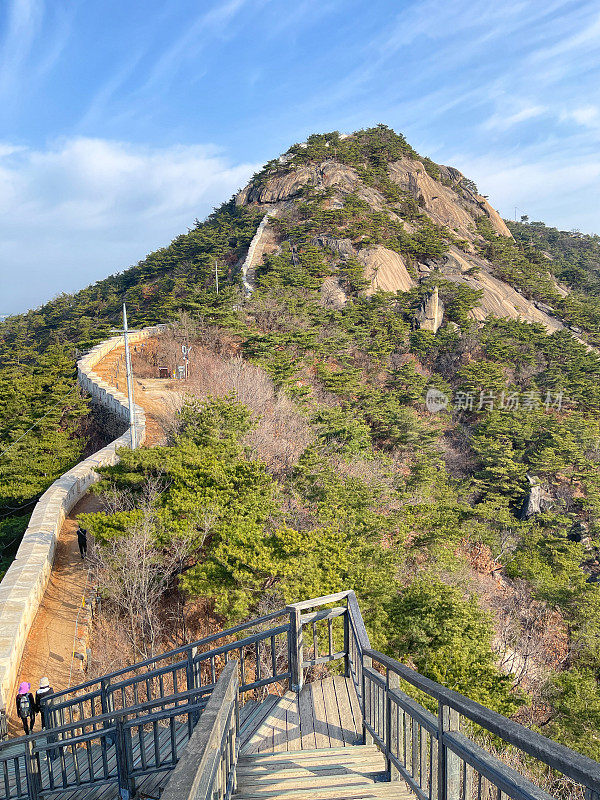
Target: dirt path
[(158, 397), (49, 649)]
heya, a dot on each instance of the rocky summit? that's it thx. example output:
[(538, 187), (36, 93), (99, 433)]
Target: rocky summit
[(408, 197)]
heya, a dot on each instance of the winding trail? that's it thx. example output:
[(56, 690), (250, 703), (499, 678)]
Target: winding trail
[(49, 648)]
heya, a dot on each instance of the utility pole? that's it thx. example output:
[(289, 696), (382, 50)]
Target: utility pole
[(216, 277), (129, 381)]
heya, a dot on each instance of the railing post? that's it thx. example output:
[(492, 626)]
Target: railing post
[(235, 740), (367, 661), (296, 651), (448, 763), (191, 679), (32, 771), (347, 671), (104, 696), (391, 723), (125, 784), (3, 725)]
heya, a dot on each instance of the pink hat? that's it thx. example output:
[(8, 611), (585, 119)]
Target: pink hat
[(24, 687)]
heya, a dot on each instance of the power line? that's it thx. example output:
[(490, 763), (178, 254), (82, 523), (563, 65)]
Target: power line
[(18, 508), (37, 422)]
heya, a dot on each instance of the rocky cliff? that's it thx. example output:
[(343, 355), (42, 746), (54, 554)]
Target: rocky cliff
[(413, 194)]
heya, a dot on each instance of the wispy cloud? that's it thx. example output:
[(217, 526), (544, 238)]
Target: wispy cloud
[(502, 122), (185, 47), (23, 19), (588, 115), (155, 61), (539, 185), (98, 206)]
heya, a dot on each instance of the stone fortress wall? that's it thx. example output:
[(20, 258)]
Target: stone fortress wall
[(24, 584)]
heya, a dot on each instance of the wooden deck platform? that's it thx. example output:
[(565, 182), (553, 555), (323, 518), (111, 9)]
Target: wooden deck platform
[(326, 714)]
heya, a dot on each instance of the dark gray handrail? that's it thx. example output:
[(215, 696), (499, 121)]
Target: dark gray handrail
[(505, 779), (321, 601), (214, 739), (171, 653), (580, 768), (357, 619)]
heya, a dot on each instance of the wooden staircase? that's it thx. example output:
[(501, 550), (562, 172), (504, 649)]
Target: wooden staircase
[(340, 773), (190, 725)]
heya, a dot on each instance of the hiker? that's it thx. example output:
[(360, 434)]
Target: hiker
[(82, 541), (26, 707), (44, 690)]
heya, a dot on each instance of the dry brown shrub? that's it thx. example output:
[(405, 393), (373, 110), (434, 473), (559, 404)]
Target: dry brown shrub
[(281, 434), (110, 647), (531, 638)]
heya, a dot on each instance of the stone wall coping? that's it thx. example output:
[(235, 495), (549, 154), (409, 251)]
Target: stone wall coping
[(25, 581)]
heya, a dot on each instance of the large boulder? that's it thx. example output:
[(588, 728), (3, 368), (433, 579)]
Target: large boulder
[(332, 294), (386, 270), (539, 499), (431, 314)]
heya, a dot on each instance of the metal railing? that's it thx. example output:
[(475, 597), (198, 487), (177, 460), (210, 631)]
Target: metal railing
[(148, 713), (112, 748), (207, 769), (266, 656), (262, 655), (429, 751)]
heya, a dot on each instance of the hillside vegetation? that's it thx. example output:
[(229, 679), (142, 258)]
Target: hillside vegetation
[(419, 511)]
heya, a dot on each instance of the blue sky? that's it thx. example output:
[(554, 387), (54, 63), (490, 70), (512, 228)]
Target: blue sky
[(123, 121)]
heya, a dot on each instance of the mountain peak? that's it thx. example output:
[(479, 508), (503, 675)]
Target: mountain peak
[(370, 197)]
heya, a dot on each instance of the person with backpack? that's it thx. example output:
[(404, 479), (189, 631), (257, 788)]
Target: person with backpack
[(44, 690), (82, 541), (26, 707)]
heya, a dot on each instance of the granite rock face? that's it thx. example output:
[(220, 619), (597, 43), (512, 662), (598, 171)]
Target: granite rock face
[(442, 203), (386, 270), (539, 499), (450, 202), (287, 186), (431, 314)]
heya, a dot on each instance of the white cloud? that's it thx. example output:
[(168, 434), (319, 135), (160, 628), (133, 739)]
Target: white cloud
[(85, 208), (501, 121), (559, 194), (588, 116)]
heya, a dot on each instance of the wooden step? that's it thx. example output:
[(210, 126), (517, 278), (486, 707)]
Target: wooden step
[(371, 762), (257, 715), (245, 711), (309, 763), (346, 768), (319, 754), (283, 783), (370, 791)]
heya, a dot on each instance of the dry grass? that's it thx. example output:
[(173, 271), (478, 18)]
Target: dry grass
[(281, 434)]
